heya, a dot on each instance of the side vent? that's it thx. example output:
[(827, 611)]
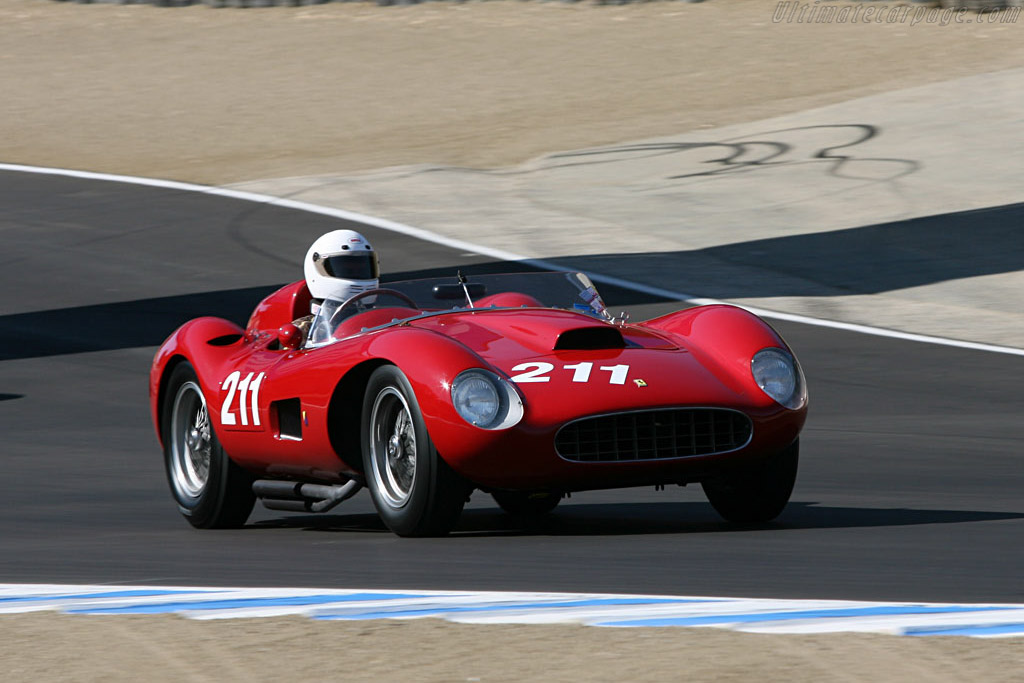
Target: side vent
[(590, 338), (289, 418), (224, 340)]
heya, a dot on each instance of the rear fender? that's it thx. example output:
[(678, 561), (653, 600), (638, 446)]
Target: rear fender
[(203, 342), (283, 306)]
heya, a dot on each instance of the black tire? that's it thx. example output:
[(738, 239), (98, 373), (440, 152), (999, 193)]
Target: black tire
[(414, 490), (522, 504), (212, 492), (755, 494)]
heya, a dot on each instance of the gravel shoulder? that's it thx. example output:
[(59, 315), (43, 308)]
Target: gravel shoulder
[(217, 97), (167, 648)]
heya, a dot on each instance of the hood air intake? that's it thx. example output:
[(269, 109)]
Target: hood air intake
[(590, 339)]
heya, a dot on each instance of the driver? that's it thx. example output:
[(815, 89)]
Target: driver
[(338, 265)]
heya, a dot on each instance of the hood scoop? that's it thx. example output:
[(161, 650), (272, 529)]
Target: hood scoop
[(590, 339)]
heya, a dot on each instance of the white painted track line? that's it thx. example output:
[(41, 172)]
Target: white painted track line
[(499, 254)]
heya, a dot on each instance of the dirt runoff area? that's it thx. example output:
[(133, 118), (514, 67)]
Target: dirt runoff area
[(219, 96), (48, 647)]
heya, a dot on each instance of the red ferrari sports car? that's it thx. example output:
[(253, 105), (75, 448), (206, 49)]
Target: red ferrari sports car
[(519, 385)]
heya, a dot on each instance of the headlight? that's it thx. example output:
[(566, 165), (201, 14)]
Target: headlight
[(485, 400), (779, 375)]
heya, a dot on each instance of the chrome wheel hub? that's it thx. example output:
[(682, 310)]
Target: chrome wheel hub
[(190, 441), (393, 447)]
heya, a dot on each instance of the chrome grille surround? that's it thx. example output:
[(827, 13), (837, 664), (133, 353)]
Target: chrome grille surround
[(659, 434)]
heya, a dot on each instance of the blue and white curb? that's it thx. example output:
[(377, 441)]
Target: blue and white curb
[(591, 609)]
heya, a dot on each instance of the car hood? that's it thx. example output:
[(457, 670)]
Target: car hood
[(560, 359), (516, 334)]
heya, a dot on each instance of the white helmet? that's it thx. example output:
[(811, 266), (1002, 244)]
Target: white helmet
[(340, 265)]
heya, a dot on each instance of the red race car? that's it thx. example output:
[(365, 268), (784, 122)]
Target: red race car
[(519, 385)]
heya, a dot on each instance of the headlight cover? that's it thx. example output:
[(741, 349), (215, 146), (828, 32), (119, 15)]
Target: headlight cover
[(779, 375), (485, 400)]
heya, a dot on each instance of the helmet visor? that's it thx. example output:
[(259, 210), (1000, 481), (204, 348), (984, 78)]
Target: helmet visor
[(354, 266)]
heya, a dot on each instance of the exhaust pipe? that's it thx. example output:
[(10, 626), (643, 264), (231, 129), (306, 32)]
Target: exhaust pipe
[(299, 497)]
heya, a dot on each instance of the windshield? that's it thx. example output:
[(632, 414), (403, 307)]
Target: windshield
[(338, 319), (573, 291)]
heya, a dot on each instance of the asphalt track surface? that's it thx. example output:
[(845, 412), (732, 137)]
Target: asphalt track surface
[(911, 485)]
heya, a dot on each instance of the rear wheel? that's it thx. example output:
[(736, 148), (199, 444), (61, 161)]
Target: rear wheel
[(520, 504), (210, 489), (755, 494), (414, 490)]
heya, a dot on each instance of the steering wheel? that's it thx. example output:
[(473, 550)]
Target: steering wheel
[(362, 295)]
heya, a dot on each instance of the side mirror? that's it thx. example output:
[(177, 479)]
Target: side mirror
[(289, 336)]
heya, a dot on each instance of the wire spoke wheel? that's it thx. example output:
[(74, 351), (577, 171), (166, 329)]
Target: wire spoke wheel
[(211, 491), (414, 490), (190, 441), (393, 447)]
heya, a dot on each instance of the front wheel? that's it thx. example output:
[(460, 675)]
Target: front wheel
[(211, 490), (755, 494), (519, 504), (414, 490)]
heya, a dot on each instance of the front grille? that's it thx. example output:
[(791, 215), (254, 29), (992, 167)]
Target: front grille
[(653, 435)]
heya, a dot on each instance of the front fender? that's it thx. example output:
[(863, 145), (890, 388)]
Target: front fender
[(431, 362), (721, 336)]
